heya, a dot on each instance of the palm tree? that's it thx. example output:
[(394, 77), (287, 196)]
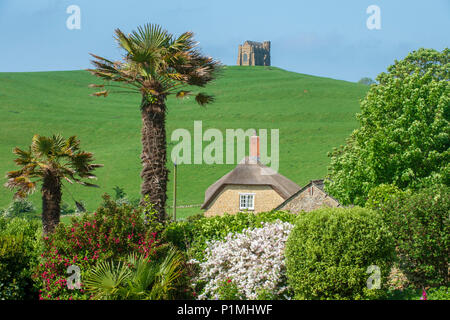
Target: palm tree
[(136, 278), (155, 65), (50, 160)]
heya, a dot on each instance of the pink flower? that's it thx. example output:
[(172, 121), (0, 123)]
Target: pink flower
[(424, 295)]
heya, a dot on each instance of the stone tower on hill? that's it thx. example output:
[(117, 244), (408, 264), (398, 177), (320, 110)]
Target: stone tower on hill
[(253, 53)]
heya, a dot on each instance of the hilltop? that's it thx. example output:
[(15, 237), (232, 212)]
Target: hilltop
[(313, 115)]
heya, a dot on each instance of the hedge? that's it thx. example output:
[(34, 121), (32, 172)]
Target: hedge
[(329, 251)]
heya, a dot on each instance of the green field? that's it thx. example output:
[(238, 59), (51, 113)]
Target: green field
[(313, 115)]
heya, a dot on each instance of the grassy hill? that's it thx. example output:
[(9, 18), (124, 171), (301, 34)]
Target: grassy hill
[(313, 114)]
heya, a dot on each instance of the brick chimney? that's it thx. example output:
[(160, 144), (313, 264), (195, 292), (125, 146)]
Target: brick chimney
[(254, 148)]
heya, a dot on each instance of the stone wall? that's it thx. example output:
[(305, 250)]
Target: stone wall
[(228, 199), (310, 199), (253, 53)]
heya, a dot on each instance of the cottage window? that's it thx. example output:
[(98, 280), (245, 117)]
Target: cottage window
[(246, 201)]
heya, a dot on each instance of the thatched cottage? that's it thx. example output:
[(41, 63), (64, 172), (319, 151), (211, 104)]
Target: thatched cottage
[(310, 197), (255, 187), (250, 186)]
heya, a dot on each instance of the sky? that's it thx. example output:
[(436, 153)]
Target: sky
[(326, 38)]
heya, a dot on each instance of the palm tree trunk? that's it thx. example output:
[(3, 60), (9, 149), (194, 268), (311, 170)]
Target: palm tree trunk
[(154, 172), (51, 199)]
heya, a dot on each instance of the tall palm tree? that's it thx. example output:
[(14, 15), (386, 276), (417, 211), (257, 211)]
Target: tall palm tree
[(50, 160), (155, 65)]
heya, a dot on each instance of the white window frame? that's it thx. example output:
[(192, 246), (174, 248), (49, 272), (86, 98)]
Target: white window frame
[(246, 197)]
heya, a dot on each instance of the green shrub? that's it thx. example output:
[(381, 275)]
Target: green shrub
[(381, 194), (66, 209), (193, 235), (119, 193), (20, 247), (437, 293), (329, 251), (20, 208), (111, 233), (228, 290), (137, 278), (180, 234), (420, 223), (12, 264)]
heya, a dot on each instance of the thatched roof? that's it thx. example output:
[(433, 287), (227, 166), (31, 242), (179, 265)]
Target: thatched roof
[(254, 173)]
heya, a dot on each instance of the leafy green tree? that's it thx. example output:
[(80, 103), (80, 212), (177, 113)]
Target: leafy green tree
[(50, 160), (381, 194), (155, 65), (367, 81), (404, 131)]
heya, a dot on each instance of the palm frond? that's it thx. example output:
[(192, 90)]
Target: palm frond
[(71, 145), (103, 93), (202, 98), (156, 63), (183, 94), (23, 184), (21, 153), (123, 41), (169, 271), (55, 156), (137, 278), (106, 279), (41, 146), (87, 184)]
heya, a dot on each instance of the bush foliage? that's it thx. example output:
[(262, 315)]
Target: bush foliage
[(137, 278), (193, 235), (112, 232), (329, 251), (404, 134), (420, 223), (247, 263), (20, 245), (20, 208)]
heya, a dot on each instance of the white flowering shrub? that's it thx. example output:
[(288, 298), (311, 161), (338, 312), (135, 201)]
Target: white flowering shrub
[(253, 260)]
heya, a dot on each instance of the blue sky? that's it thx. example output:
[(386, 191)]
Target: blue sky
[(323, 37)]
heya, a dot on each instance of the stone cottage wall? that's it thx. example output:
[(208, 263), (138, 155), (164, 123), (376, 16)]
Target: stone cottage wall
[(228, 199), (309, 200)]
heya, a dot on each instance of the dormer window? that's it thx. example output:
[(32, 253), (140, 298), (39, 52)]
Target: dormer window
[(246, 201)]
